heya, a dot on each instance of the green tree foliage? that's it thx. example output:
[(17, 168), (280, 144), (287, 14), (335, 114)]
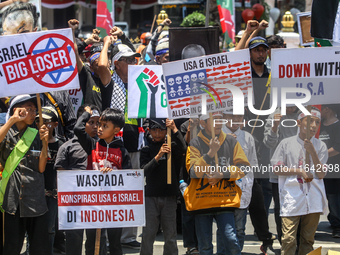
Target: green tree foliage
[(195, 19)]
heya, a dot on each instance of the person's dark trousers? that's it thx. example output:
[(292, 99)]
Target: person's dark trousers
[(37, 231), (74, 242), (52, 205), (258, 215), (276, 197), (114, 235), (264, 178), (59, 236), (91, 242), (188, 227)]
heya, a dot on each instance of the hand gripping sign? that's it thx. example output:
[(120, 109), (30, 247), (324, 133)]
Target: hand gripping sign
[(37, 62)]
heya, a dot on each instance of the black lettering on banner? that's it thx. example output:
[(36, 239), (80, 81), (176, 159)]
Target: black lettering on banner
[(99, 180), (71, 217)]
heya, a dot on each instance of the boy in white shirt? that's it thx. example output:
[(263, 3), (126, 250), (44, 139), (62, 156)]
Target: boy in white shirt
[(301, 187)]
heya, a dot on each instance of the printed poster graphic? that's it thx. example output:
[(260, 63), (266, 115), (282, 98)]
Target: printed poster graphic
[(76, 96), (91, 199), (194, 42), (203, 81), (37, 62), (147, 96), (314, 69)]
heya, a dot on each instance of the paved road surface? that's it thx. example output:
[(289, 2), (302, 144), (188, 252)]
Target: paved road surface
[(252, 245)]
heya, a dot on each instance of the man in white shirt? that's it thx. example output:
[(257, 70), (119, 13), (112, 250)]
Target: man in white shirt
[(301, 188)]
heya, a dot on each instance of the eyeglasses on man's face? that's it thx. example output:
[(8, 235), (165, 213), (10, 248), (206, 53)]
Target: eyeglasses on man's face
[(129, 61)]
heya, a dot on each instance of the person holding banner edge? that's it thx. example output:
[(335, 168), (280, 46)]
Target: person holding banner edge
[(114, 95), (107, 154), (23, 196), (71, 156), (160, 197)]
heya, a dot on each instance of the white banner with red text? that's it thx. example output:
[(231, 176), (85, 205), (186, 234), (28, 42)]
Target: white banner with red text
[(89, 199), (37, 62), (207, 84), (315, 70)]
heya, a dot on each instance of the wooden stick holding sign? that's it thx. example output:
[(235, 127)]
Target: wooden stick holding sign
[(213, 136), (309, 108), (97, 243), (169, 156), (41, 122)]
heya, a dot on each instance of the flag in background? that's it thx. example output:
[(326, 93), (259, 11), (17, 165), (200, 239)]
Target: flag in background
[(227, 19), (105, 16)]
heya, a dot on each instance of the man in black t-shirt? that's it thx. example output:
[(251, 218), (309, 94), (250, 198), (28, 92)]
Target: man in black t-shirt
[(89, 76), (330, 134)]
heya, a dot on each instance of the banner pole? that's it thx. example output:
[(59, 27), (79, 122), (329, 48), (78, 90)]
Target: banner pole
[(169, 156), (309, 108), (213, 136), (97, 244), (207, 7), (44, 152), (153, 23)]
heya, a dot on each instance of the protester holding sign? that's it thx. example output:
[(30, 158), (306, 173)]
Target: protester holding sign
[(22, 194), (114, 95), (160, 197), (71, 156), (301, 186), (212, 193), (106, 154)]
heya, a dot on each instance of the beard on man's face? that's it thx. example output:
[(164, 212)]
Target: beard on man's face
[(259, 62)]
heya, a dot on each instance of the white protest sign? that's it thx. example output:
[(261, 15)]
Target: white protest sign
[(314, 69), (37, 62), (76, 96), (89, 199), (202, 82), (146, 97)]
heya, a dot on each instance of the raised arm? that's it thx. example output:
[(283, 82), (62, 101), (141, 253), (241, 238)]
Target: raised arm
[(251, 26), (262, 26), (73, 24), (103, 63)]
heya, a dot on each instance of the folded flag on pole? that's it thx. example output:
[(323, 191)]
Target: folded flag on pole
[(226, 11), (105, 16)]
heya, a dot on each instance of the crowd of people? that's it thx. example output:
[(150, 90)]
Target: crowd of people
[(101, 127)]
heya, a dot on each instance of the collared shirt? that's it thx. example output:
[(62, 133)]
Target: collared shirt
[(298, 197), (248, 145), (25, 187)]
